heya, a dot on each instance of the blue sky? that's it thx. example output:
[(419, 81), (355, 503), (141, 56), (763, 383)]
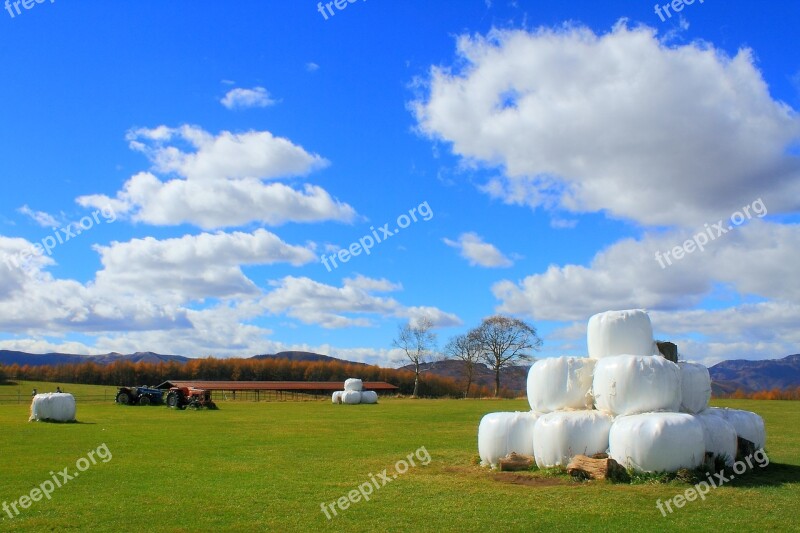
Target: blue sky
[(215, 152)]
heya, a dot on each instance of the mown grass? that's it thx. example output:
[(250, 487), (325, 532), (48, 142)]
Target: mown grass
[(269, 466)]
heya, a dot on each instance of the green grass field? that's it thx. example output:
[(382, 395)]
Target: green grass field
[(269, 466)]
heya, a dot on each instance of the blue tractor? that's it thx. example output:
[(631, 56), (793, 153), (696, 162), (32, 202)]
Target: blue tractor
[(139, 396)]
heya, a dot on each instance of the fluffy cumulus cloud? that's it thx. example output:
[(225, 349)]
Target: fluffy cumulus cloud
[(245, 98), (312, 302), (220, 181), (477, 252), (752, 262), (621, 122), (195, 267)]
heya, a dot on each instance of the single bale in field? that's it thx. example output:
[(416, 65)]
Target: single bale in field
[(560, 436), (748, 426), (561, 383), (720, 436), (631, 384), (695, 387), (369, 396), (353, 384), (619, 333), (502, 433), (53, 407), (657, 442)]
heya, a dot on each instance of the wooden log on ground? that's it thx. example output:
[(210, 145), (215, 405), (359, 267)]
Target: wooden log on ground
[(588, 467), (514, 462)]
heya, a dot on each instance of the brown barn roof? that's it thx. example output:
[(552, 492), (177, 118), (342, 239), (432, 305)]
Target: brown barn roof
[(275, 385)]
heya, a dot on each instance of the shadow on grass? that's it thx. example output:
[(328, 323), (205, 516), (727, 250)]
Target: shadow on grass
[(772, 475), (60, 423)]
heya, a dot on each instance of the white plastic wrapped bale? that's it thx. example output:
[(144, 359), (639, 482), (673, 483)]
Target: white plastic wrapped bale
[(748, 425), (351, 397), (720, 436), (336, 397), (619, 333), (560, 436), (631, 384), (502, 433), (54, 407), (353, 384), (657, 442), (560, 383), (695, 387), (369, 396)]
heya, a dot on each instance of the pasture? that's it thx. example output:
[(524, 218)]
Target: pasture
[(270, 465)]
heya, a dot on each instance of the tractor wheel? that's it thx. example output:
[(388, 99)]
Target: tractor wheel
[(173, 401), (124, 398), (144, 399), (212, 406)]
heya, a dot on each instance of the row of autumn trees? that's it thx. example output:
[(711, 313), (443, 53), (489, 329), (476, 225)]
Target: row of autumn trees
[(499, 342), (127, 373)]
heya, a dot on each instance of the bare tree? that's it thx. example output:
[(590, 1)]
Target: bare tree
[(505, 341), (418, 342), (465, 348)]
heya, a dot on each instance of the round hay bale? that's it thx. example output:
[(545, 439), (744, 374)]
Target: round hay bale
[(53, 407), (351, 397), (502, 433), (695, 387), (720, 436), (560, 436), (353, 384), (619, 333), (336, 397), (657, 442), (369, 396), (748, 426), (631, 384), (561, 383)]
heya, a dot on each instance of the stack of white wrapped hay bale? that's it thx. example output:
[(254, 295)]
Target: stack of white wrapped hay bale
[(626, 400), (353, 393), (53, 407)]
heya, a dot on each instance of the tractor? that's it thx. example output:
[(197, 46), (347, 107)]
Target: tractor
[(183, 397), (139, 396)]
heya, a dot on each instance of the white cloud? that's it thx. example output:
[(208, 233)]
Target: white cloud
[(194, 267), (221, 181), (312, 67), (756, 259), (312, 302), (246, 98), (478, 252), (40, 217), (620, 122)]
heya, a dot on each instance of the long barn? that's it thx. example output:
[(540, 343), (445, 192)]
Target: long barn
[(274, 390)]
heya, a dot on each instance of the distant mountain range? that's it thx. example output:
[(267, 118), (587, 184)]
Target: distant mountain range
[(8, 357), (727, 376), (750, 376)]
